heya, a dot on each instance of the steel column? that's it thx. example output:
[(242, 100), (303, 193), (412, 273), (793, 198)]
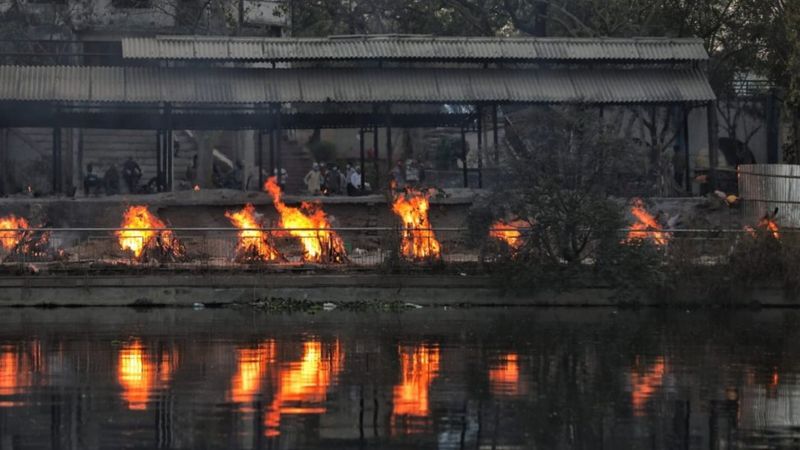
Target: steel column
[(57, 185), (260, 156), (496, 135), (713, 144), (686, 159), (278, 145), (375, 159), (361, 150), (480, 147), (464, 156)]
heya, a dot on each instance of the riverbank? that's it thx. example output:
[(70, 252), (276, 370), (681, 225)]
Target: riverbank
[(285, 291)]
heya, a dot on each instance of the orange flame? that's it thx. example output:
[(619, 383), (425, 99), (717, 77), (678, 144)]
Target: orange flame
[(9, 239), (643, 386), (302, 386), (419, 240), (767, 224), (509, 232), (310, 225), (646, 226), (504, 376), (139, 375), (251, 365), (253, 243), (140, 233), (419, 366), (196, 187)]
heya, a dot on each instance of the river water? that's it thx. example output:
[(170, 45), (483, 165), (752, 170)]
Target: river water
[(425, 378)]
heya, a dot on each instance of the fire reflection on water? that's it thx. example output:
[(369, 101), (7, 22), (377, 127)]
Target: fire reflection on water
[(251, 366), (419, 366), (17, 370), (504, 376), (645, 383), (140, 374), (302, 386)]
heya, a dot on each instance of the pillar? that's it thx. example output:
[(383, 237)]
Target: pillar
[(480, 147), (687, 172), (361, 155), (4, 162), (464, 156), (495, 134), (713, 143), (246, 152), (376, 159), (205, 159), (57, 181)]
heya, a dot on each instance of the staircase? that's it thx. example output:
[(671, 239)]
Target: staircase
[(297, 161), (102, 148)]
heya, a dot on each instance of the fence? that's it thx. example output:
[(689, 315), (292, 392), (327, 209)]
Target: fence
[(210, 248)]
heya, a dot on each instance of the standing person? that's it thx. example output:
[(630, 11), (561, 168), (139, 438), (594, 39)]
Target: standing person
[(333, 181), (412, 173), (354, 183), (131, 173), (348, 173), (283, 179), (313, 180), (91, 182), (398, 176), (111, 180)]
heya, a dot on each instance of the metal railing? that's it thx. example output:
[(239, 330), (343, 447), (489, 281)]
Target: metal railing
[(364, 248)]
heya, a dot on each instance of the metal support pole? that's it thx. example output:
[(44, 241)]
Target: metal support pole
[(713, 143), (495, 134), (376, 160), (159, 157), (361, 149), (686, 159), (271, 150), (773, 127), (464, 156), (388, 141), (480, 147), (169, 154), (260, 156), (57, 160), (278, 145)]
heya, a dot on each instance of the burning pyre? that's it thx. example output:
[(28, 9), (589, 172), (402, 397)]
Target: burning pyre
[(17, 240), (767, 224), (310, 225), (255, 245), (646, 226), (509, 232), (418, 239), (146, 236)]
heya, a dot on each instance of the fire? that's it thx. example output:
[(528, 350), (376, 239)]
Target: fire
[(10, 234), (419, 240), (310, 225), (509, 232), (196, 187), (643, 386), (504, 376), (139, 375), (646, 226), (254, 244), (251, 365), (767, 224), (419, 366), (303, 386), (142, 230)]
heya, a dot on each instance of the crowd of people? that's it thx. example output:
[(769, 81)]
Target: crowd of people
[(325, 179), (109, 183), (322, 179)]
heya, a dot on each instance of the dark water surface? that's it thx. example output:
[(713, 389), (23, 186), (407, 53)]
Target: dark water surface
[(428, 378)]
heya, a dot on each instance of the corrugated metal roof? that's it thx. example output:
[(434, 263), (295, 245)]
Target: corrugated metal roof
[(427, 48), (181, 85)]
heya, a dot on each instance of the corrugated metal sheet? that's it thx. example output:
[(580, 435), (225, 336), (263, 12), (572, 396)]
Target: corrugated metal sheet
[(427, 48), (181, 85), (764, 187)]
